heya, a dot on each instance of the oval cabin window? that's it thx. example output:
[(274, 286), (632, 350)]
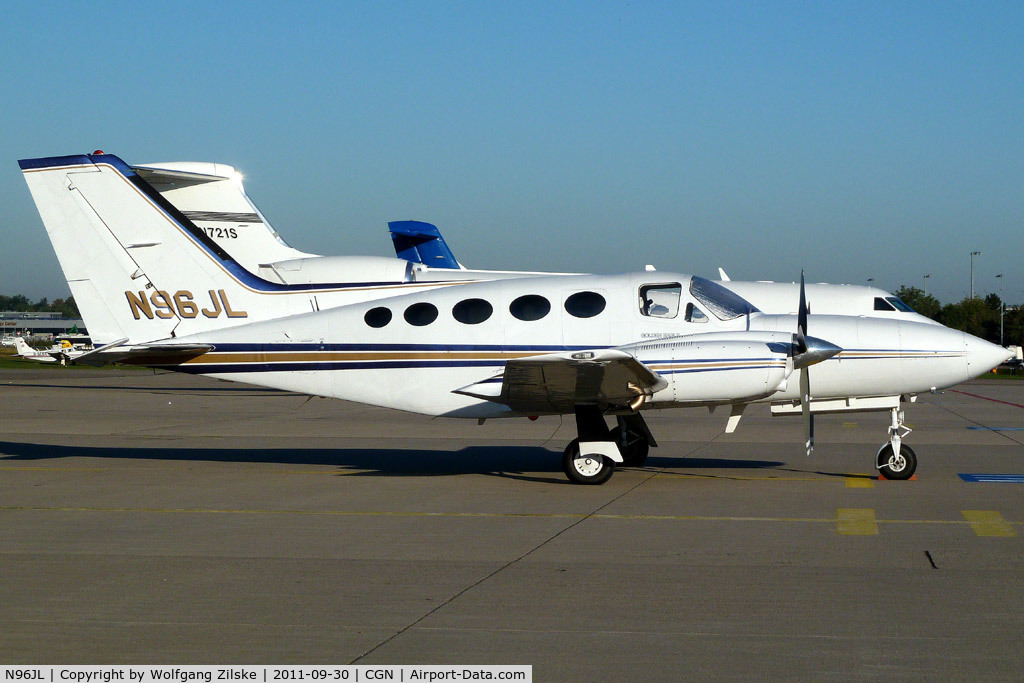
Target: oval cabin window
[(378, 317), (584, 304), (530, 307), (421, 314), (472, 311)]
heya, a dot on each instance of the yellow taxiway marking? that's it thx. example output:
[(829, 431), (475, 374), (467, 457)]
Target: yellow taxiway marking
[(847, 521), (860, 480), (856, 522), (988, 523), (401, 513), (850, 424)]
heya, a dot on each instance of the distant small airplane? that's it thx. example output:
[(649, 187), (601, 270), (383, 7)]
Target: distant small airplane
[(58, 353), (156, 290)]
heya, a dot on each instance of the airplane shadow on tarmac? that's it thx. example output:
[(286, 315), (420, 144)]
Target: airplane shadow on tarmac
[(182, 391), (529, 463)]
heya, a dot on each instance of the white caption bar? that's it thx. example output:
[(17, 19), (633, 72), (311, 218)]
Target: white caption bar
[(130, 673)]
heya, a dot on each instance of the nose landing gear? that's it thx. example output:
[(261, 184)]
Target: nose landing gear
[(895, 460)]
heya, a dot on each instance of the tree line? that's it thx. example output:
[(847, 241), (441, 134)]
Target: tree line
[(978, 316), (20, 302)]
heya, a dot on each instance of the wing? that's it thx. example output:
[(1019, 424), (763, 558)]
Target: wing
[(558, 381)]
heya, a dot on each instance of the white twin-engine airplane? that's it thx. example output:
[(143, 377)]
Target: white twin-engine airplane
[(213, 197), (156, 290)]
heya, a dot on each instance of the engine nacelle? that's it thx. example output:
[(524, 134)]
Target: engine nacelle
[(719, 368)]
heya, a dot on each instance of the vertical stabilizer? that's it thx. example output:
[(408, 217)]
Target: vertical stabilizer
[(213, 197), (419, 242), (139, 270), (22, 347)]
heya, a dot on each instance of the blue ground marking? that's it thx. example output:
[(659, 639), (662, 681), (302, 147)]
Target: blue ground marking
[(1000, 429), (993, 478)]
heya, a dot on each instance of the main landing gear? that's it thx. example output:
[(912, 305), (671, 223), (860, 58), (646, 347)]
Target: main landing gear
[(896, 460), (591, 458)]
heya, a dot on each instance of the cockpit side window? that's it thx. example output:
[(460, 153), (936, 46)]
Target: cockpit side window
[(695, 315), (883, 305), (899, 304), (660, 301)]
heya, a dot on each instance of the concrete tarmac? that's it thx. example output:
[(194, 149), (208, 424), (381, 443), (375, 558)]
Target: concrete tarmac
[(173, 519)]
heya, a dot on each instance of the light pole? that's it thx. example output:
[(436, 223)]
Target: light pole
[(1002, 307), (973, 254), (926, 283)]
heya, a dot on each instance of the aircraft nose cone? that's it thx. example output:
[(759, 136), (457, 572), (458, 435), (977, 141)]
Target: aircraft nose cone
[(982, 356), (817, 351)]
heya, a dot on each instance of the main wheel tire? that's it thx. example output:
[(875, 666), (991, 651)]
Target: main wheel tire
[(585, 469), (634, 451), (901, 468)]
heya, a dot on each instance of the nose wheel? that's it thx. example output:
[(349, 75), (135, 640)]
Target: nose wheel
[(896, 460), (899, 467)]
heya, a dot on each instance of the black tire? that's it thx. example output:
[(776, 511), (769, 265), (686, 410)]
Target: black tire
[(589, 470), (899, 471), (634, 453)]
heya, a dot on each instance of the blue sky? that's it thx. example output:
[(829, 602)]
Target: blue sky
[(852, 140)]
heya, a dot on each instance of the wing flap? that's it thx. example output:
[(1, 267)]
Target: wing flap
[(559, 381)]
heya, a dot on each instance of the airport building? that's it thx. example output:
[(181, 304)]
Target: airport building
[(41, 324)]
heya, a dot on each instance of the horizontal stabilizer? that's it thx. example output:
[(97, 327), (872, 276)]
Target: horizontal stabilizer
[(147, 354)]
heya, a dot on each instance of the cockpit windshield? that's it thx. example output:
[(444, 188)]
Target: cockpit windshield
[(723, 303), (899, 304)]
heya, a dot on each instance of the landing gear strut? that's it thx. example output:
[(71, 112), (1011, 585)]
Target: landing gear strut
[(634, 439), (895, 460), (591, 458)]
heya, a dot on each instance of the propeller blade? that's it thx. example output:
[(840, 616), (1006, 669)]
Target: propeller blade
[(801, 325), (809, 428), (809, 350), (805, 409)]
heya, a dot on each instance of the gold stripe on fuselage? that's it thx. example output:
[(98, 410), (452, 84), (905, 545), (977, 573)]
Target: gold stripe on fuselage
[(718, 365), (222, 358)]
